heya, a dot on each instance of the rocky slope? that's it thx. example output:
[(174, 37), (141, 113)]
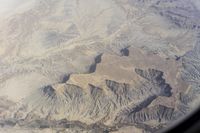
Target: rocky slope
[(98, 102)]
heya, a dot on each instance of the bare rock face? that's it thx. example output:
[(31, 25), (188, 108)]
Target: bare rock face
[(191, 75), (120, 102), (155, 78), (156, 86), (108, 107)]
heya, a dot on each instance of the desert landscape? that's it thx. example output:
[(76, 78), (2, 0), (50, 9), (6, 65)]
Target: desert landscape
[(98, 66)]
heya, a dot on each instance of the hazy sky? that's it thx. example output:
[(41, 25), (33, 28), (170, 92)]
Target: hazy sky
[(197, 3), (8, 6)]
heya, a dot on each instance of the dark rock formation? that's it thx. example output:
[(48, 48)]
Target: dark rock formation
[(48, 91), (94, 65), (155, 78), (124, 51), (65, 78)]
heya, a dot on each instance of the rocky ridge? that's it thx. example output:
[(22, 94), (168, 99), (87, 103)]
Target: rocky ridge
[(114, 104)]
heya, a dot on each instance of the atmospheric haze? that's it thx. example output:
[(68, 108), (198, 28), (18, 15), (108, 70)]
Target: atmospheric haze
[(98, 66)]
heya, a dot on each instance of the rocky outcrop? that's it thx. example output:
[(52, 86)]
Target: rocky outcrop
[(182, 13), (124, 51), (155, 85), (94, 65), (158, 113), (120, 102), (191, 74)]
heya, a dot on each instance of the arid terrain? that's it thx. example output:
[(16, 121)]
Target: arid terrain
[(98, 66)]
